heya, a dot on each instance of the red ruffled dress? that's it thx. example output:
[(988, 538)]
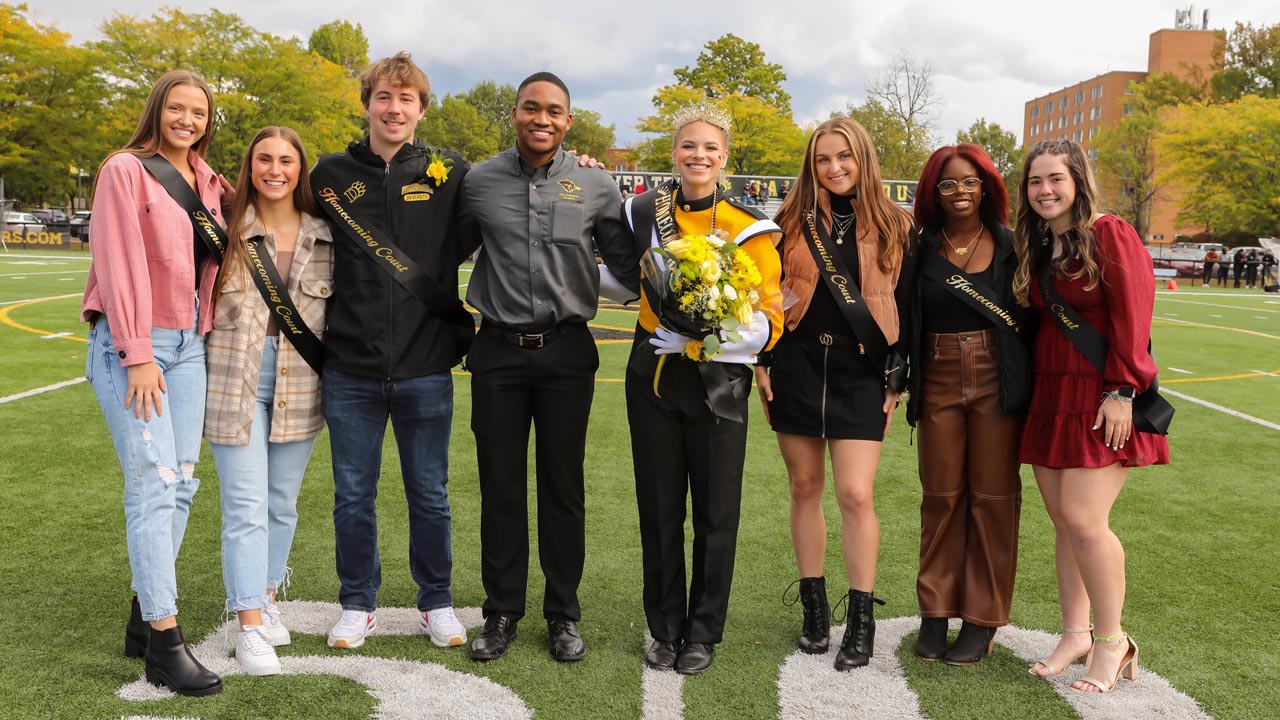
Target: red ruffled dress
[(1059, 431)]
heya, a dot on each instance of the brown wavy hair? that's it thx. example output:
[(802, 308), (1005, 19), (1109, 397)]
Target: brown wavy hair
[(236, 259), (891, 223), (1032, 237)]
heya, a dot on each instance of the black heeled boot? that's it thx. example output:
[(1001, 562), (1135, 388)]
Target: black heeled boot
[(136, 632), (815, 634), (171, 664), (931, 645), (859, 633), (972, 644)]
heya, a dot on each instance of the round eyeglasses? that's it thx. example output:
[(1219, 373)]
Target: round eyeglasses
[(969, 185)]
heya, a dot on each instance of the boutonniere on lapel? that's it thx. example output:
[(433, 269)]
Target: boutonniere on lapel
[(434, 174)]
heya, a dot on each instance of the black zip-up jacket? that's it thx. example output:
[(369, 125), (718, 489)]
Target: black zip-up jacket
[(1013, 347), (375, 328)]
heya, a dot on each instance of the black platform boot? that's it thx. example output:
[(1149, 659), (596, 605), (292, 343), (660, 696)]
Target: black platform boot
[(971, 646), (859, 632), (136, 632), (815, 634), (171, 664), (931, 644)]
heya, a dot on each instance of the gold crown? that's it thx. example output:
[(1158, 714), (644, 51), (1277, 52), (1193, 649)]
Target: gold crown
[(700, 112)]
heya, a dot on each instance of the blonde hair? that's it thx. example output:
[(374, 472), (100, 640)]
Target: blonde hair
[(892, 224), (1032, 236), (398, 70)]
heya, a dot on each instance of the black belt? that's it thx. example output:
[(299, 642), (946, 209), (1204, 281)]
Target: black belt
[(527, 340)]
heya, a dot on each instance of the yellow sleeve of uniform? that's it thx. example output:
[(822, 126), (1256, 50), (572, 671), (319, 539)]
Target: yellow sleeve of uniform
[(762, 251)]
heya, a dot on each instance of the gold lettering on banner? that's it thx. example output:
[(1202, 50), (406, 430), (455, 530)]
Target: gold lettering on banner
[(1062, 315), (207, 226), (841, 282), (964, 286), (330, 196), (273, 292)]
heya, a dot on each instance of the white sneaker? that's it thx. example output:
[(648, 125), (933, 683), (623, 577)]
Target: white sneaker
[(352, 628), (273, 627), (443, 627), (255, 653)]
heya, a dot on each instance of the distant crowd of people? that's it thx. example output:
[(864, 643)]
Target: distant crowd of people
[(1251, 269)]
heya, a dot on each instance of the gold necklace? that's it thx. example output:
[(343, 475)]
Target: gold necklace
[(715, 200), (962, 250)]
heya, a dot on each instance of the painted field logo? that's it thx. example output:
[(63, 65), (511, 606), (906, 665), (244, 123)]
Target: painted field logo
[(808, 685)]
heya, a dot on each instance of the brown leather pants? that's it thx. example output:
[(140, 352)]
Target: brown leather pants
[(969, 473)]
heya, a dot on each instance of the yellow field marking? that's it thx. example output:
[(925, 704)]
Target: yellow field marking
[(4, 317), (1215, 327), (1242, 376)]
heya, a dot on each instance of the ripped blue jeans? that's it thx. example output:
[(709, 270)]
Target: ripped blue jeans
[(158, 457)]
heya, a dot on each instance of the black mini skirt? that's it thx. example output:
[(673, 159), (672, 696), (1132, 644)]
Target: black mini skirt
[(825, 390)]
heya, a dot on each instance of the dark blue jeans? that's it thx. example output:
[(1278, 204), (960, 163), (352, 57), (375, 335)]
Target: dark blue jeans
[(421, 411)]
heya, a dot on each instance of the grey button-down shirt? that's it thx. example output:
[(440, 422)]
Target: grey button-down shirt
[(537, 266)]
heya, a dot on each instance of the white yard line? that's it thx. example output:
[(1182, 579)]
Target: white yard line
[(40, 390), (52, 272), (86, 256), (1214, 406), (1180, 370), (1219, 305)]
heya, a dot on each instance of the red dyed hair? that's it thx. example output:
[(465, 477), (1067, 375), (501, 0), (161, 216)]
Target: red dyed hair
[(994, 209)]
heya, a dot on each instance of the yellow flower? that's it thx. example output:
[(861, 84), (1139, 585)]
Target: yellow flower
[(693, 350), (710, 272), (438, 171)]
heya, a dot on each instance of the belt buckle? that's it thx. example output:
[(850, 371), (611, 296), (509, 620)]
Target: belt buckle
[(825, 338), (532, 342)]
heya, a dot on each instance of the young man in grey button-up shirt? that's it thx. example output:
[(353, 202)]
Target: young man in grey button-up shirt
[(536, 284)]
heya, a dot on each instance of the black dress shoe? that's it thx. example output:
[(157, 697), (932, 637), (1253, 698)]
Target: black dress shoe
[(695, 658), (491, 644), (971, 646), (563, 640), (136, 632), (662, 655), (931, 645), (169, 663)]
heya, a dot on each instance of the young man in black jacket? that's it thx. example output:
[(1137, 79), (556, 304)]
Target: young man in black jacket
[(395, 328)]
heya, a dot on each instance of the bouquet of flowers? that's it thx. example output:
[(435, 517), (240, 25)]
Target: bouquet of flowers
[(708, 291)]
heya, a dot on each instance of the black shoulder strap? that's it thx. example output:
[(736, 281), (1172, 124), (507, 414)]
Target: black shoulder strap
[(276, 295), (215, 238), (835, 275), (972, 291), (643, 214), (446, 305)]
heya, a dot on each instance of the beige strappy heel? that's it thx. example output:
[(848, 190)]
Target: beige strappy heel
[(1084, 657), (1128, 664)]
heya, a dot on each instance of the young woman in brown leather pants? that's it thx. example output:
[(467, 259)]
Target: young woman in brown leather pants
[(970, 386)]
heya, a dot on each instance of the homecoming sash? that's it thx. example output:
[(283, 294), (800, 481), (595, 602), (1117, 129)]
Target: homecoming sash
[(1151, 413), (393, 261), (972, 291), (835, 275), (215, 238), (276, 295)]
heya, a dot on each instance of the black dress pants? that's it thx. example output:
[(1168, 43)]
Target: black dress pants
[(680, 449), (549, 388)]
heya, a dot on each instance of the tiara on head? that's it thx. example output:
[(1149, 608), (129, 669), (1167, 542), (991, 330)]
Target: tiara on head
[(700, 112)]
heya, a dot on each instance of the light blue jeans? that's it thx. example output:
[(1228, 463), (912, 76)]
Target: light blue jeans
[(259, 489), (158, 457)]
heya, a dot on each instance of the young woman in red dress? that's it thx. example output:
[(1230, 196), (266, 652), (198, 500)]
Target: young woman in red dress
[(1079, 437)]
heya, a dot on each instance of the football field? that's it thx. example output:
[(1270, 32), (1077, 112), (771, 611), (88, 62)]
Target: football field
[(1202, 538)]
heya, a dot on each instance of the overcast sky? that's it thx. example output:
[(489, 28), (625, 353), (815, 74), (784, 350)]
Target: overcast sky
[(988, 58)]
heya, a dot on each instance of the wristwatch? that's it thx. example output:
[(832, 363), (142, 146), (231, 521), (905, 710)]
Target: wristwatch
[(1127, 393)]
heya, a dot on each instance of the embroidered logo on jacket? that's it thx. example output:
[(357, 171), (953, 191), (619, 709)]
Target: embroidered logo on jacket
[(355, 192), (416, 192)]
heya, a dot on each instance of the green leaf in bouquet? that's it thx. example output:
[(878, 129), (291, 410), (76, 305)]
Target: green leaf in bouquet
[(729, 324), (710, 345)]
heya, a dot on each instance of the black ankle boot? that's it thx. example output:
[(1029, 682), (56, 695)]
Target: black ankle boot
[(815, 634), (971, 645), (931, 645), (136, 632), (859, 632), (170, 663)]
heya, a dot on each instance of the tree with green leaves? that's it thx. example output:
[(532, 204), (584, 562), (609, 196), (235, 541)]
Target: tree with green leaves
[(731, 65), (456, 124), (902, 156), (51, 110), (494, 102), (1225, 156), (341, 43), (1250, 63), (257, 79), (1003, 147), (589, 136)]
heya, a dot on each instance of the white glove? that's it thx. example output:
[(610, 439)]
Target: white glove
[(669, 342), (754, 337), (611, 289)]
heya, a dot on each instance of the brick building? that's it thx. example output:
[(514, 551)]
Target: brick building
[(1079, 112)]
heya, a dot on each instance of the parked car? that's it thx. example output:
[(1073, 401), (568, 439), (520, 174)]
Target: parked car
[(80, 225), (22, 223), (50, 216)]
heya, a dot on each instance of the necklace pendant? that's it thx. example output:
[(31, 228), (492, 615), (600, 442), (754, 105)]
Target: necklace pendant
[(961, 251), (840, 241)]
